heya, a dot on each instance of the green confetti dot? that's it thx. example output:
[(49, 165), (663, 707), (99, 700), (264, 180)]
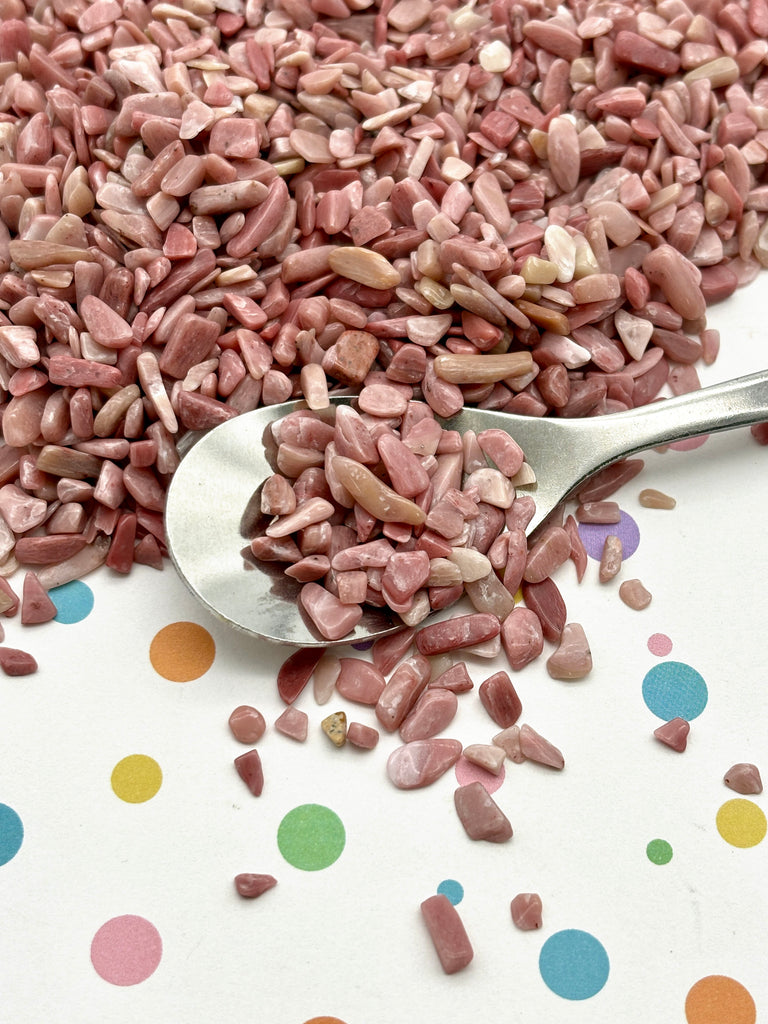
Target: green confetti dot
[(311, 837), (659, 851)]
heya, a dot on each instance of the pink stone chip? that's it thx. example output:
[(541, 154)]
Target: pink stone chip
[(536, 748), (296, 671), (480, 815), (487, 756), (420, 763), (453, 634), (455, 678), (509, 741), (362, 736), (447, 932), (250, 885), (433, 711), (742, 778), (526, 911), (16, 663), (674, 734), (402, 691), (522, 637), (250, 770), (500, 699), (293, 723), (36, 605), (573, 657), (332, 619), (247, 724), (359, 681)]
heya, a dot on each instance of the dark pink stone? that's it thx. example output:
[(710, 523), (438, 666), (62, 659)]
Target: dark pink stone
[(480, 815), (447, 932), (674, 734), (499, 698), (362, 736), (433, 711), (453, 634), (360, 681), (16, 663), (456, 678), (526, 911), (250, 770), (250, 885), (36, 605), (247, 724), (296, 670)]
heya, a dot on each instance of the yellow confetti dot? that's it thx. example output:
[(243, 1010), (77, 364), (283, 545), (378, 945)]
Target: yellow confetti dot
[(182, 651), (136, 778), (741, 823)]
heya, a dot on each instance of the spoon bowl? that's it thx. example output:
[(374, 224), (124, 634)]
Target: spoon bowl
[(212, 506)]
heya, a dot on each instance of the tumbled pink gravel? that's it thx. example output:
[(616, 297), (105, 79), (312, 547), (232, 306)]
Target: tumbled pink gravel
[(744, 778), (247, 724), (420, 763), (447, 932), (526, 911), (674, 734), (251, 885), (480, 815)]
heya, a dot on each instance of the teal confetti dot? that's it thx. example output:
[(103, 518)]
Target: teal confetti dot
[(73, 600), (11, 833), (673, 689), (452, 889), (574, 964)]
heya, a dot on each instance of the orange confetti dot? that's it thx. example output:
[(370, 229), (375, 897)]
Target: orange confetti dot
[(324, 1020), (182, 651), (718, 999)]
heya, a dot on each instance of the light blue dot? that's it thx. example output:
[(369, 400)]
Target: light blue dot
[(11, 833), (73, 600), (593, 536), (574, 964), (452, 889), (673, 689)]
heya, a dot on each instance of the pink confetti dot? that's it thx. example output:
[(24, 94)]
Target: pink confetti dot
[(126, 950), (467, 772), (659, 644)]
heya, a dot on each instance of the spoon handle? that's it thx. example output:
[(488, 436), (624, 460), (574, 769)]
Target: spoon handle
[(736, 403)]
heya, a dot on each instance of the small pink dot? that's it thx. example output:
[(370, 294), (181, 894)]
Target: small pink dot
[(467, 772), (126, 950), (659, 644)]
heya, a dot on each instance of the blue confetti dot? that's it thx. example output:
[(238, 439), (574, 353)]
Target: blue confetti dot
[(673, 689), (362, 645), (11, 833), (574, 964), (73, 600), (593, 536), (452, 889)]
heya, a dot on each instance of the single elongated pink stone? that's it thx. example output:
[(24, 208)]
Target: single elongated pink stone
[(453, 634), (500, 699), (547, 602), (332, 619), (402, 691), (480, 815), (363, 736), (522, 637), (388, 650), (250, 770), (105, 326), (573, 658), (433, 711), (247, 724), (293, 723), (744, 778), (502, 449), (16, 663), (420, 763), (45, 550), (526, 911), (674, 734), (251, 885), (316, 510), (36, 605), (447, 932), (20, 510), (536, 748), (359, 681), (405, 470), (547, 554), (373, 554), (295, 672)]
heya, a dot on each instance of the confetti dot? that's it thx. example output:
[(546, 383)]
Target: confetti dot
[(741, 823), (659, 644), (718, 999), (674, 690), (467, 772), (659, 851), (11, 833), (452, 889), (126, 950), (311, 837), (324, 1020), (73, 600), (136, 778), (593, 536), (574, 964), (182, 651)]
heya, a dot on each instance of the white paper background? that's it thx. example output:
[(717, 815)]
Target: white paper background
[(348, 941)]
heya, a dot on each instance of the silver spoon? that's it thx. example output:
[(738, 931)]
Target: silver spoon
[(212, 504)]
